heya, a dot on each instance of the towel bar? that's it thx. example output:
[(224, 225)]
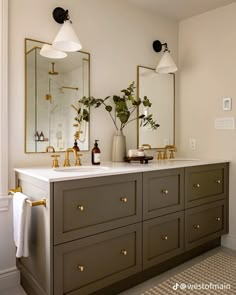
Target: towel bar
[(31, 203)]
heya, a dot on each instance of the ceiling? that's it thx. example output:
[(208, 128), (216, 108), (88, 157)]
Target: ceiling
[(180, 9)]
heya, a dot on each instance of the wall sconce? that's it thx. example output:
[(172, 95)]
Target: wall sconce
[(166, 64), (66, 39), (49, 52)]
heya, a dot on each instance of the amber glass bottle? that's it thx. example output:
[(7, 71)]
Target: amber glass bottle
[(96, 153)]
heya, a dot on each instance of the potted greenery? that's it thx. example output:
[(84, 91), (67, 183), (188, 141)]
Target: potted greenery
[(121, 113)]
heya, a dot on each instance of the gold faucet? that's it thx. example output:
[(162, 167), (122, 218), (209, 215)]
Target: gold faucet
[(50, 147), (172, 148), (67, 160)]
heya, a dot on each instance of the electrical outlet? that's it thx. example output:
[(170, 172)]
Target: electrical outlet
[(193, 144)]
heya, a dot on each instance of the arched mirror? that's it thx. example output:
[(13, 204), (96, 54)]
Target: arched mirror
[(160, 89), (52, 90)]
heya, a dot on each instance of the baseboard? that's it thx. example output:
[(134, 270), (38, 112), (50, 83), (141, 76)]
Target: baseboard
[(9, 278), (228, 242)]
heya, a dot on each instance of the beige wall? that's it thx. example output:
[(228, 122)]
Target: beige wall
[(119, 37), (207, 62)]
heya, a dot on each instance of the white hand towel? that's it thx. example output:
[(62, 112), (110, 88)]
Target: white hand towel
[(21, 223)]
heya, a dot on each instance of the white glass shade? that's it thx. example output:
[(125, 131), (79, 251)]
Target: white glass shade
[(166, 64), (49, 52), (66, 39)]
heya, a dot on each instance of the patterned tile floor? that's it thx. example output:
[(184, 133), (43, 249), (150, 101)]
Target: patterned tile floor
[(215, 266)]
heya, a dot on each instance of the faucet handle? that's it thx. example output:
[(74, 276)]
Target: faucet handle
[(55, 161), (78, 160)]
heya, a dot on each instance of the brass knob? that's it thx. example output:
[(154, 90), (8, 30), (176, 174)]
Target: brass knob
[(218, 219), (81, 208), (165, 191), (124, 200), (80, 268), (55, 161), (218, 181), (165, 238), (124, 252), (196, 185), (196, 226)]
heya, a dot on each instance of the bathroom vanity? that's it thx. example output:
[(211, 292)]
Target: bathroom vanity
[(106, 229)]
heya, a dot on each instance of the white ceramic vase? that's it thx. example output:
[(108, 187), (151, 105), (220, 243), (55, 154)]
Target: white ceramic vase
[(118, 147)]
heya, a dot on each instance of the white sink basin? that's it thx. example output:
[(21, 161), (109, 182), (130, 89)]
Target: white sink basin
[(184, 159), (82, 169)]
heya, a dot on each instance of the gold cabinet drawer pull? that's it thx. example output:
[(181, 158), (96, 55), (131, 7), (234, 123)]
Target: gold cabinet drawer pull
[(81, 208), (218, 219), (196, 185), (124, 252), (196, 226), (80, 268), (218, 181), (165, 191), (165, 238), (124, 200)]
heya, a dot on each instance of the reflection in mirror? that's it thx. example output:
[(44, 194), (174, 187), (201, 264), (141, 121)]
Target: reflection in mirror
[(160, 89), (52, 90)]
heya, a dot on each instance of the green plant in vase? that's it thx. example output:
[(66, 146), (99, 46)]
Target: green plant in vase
[(122, 112)]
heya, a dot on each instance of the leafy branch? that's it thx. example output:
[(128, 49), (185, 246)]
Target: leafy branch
[(124, 106)]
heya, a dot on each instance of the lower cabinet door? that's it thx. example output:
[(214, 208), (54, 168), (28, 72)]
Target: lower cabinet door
[(162, 238), (90, 264), (205, 223)]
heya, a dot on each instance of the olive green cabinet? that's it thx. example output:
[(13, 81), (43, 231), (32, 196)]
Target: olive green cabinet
[(86, 265), (163, 238), (89, 206), (99, 231)]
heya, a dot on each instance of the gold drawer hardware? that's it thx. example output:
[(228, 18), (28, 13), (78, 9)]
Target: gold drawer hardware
[(41, 202), (196, 226), (124, 252), (80, 268), (218, 181), (165, 191), (196, 185), (165, 238), (124, 200), (218, 219), (80, 208)]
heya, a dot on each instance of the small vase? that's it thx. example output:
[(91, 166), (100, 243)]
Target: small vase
[(118, 147)]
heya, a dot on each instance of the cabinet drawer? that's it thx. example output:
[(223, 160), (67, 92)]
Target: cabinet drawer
[(162, 238), (163, 192), (204, 223), (205, 184), (89, 206), (84, 266)]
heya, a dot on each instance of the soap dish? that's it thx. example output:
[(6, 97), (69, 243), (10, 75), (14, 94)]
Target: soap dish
[(142, 160)]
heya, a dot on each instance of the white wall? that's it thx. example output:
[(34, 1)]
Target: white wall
[(119, 37), (207, 62)]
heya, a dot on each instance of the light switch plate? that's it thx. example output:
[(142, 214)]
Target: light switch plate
[(224, 123), (227, 104)]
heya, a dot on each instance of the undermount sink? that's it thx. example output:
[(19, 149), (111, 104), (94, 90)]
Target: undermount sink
[(82, 169), (183, 159)]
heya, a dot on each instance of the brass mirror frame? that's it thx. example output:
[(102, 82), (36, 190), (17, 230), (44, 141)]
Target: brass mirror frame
[(138, 121), (25, 108)]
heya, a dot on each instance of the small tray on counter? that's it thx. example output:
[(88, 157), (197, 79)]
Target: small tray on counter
[(142, 160)]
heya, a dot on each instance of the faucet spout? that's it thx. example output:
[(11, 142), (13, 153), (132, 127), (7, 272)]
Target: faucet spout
[(67, 157), (172, 148)]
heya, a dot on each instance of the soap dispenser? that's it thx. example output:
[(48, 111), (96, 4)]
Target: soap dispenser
[(96, 153)]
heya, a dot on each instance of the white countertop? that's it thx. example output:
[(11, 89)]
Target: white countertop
[(109, 168)]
